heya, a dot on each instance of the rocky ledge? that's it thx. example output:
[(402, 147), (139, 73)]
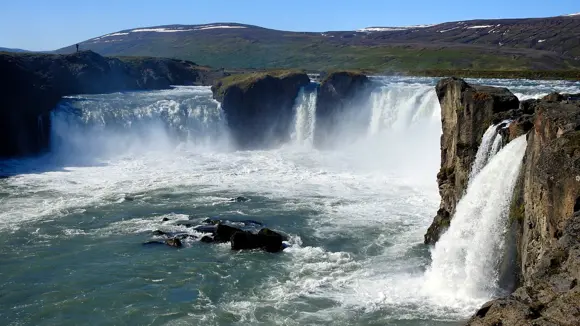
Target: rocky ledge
[(32, 84), (338, 91), (259, 106), (545, 212)]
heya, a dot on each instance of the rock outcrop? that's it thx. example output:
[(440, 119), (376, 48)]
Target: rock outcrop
[(259, 106), (466, 112), (546, 211), (32, 84), (544, 218), (338, 92)]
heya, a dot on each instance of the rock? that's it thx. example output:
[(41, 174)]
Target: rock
[(159, 232), (544, 216), (224, 232), (34, 83), (259, 106), (466, 112), (240, 199), (174, 242), (165, 219), (206, 228), (207, 239), (338, 92), (266, 231), (243, 240)]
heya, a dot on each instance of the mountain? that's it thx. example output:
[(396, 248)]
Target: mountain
[(12, 50), (501, 44)]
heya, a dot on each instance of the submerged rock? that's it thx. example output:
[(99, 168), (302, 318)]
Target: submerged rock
[(240, 199)]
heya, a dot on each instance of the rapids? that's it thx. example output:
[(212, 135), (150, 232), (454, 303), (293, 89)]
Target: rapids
[(72, 221)]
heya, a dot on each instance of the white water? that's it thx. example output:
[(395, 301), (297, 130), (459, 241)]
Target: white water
[(356, 214), (395, 108), (483, 151), (496, 146), (305, 118), (466, 258)]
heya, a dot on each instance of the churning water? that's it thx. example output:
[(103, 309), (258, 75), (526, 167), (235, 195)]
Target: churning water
[(72, 222)]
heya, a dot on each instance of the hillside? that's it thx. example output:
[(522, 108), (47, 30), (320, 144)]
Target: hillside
[(506, 44)]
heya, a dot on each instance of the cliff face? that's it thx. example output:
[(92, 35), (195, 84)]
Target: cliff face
[(544, 220), (547, 212), (337, 92), (466, 112), (32, 84), (259, 106)]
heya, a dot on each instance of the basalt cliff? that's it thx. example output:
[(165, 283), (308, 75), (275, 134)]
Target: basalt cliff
[(32, 84), (544, 219)]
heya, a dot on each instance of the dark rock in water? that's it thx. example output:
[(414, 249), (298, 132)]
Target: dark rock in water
[(207, 239), (243, 240), (129, 198), (224, 232), (158, 232), (209, 220), (266, 231), (174, 242), (339, 92), (260, 106), (240, 199), (153, 242), (165, 219), (206, 228), (187, 224)]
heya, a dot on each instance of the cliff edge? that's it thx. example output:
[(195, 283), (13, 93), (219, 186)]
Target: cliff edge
[(544, 219)]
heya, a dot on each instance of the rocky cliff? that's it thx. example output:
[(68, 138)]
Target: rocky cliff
[(544, 220), (259, 106), (338, 91), (546, 213), (466, 112), (32, 84)]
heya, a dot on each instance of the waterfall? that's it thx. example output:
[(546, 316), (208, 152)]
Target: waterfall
[(396, 107), (115, 123), (304, 117), (466, 258), (483, 152), (496, 146)]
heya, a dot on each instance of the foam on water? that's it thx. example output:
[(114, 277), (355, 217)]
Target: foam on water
[(356, 215)]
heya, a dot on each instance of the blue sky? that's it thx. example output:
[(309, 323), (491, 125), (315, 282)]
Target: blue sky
[(51, 24)]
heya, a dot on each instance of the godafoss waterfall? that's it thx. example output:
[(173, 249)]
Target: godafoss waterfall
[(123, 165)]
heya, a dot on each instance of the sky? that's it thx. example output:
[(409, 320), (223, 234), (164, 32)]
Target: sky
[(49, 25)]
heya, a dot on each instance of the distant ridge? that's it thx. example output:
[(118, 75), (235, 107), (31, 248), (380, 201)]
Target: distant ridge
[(493, 44)]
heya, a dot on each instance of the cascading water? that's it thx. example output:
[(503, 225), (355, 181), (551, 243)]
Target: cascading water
[(305, 117), (356, 214), (115, 123), (396, 107), (465, 260), (496, 146), (484, 151)]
